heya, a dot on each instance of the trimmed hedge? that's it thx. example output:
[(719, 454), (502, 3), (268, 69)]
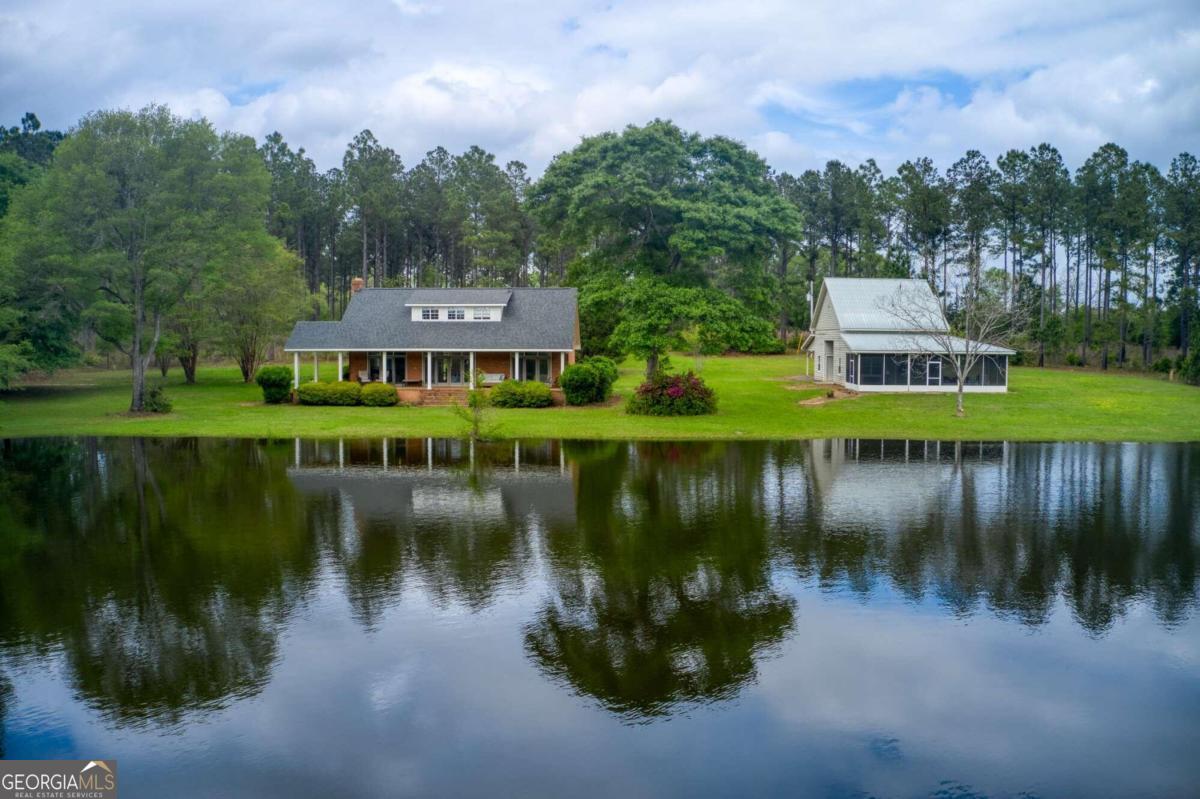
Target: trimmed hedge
[(520, 394), (276, 384), (672, 395), (379, 395), (330, 393), (588, 381)]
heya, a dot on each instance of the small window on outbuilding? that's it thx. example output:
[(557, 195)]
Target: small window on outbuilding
[(430, 314)]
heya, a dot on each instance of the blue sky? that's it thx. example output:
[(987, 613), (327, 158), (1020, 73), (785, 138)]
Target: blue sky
[(799, 82)]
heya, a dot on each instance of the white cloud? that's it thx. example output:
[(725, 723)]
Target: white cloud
[(801, 82)]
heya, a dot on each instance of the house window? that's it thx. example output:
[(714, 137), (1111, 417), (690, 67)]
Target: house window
[(818, 363), (456, 314), (536, 366), (481, 314), (918, 370), (839, 366), (895, 370), (430, 314), (995, 369), (872, 370)]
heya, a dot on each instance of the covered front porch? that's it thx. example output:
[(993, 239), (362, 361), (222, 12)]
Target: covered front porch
[(420, 375)]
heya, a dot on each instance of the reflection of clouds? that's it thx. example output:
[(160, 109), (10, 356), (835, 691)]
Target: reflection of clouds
[(390, 689), (988, 698)]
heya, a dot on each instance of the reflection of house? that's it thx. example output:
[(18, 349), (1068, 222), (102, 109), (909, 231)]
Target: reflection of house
[(431, 342), (892, 484), (859, 341), (439, 480)]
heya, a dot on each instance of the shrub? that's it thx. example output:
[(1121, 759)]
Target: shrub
[(588, 381), (156, 400), (769, 346), (330, 393), (606, 366), (1074, 360), (1190, 370), (581, 383), (1163, 365), (520, 394), (379, 395), (276, 383), (672, 395)]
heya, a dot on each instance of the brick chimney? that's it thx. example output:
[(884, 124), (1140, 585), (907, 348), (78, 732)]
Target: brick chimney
[(356, 285)]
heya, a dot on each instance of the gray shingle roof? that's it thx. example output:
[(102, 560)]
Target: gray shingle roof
[(381, 319), (458, 296)]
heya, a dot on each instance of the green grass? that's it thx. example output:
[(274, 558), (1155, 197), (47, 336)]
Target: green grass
[(757, 400)]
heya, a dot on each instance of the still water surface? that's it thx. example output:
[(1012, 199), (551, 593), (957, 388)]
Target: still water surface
[(427, 617)]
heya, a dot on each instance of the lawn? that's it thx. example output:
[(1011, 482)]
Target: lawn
[(758, 399)]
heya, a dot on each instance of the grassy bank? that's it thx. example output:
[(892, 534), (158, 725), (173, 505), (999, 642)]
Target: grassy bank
[(758, 399)]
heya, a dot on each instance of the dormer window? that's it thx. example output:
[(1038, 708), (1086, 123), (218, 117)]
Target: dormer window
[(481, 314), (430, 314), (456, 314)]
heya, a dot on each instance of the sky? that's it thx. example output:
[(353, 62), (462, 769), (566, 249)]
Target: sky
[(799, 82)]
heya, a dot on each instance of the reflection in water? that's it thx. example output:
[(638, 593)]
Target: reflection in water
[(650, 577), (661, 584), (162, 568)]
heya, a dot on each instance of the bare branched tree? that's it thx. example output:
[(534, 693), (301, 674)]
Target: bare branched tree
[(982, 320)]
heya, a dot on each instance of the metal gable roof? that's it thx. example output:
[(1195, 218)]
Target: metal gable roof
[(915, 342), (862, 303), (381, 319)]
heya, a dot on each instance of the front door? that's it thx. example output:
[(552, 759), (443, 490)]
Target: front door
[(828, 361), (451, 369), (933, 375), (536, 366)]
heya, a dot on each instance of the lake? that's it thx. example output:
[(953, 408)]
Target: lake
[(837, 618)]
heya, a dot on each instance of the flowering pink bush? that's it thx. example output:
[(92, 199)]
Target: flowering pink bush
[(672, 395)]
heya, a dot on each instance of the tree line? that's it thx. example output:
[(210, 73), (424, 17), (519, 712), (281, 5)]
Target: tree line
[(163, 239)]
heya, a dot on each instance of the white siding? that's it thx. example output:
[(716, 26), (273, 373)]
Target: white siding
[(828, 329)]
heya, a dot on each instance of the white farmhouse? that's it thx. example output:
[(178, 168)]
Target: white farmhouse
[(860, 341)]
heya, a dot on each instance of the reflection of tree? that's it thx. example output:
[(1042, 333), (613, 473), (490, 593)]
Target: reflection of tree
[(662, 590), (163, 568), (1098, 526)]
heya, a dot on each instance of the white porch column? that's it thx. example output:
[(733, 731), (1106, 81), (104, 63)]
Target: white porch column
[(295, 370), (339, 367), (316, 377), (383, 359), (429, 370), (472, 372)]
